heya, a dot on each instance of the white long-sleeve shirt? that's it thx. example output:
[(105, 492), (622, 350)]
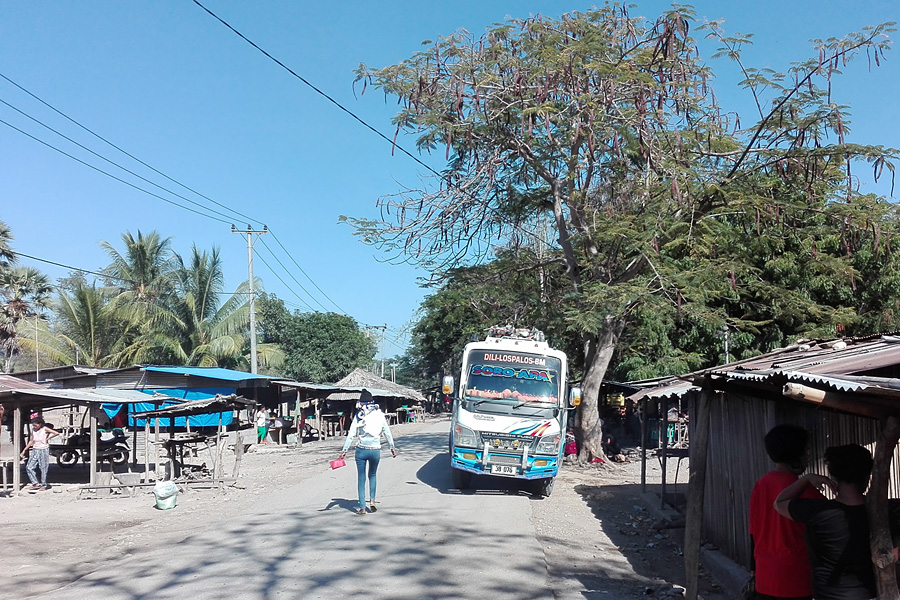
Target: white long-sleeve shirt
[(369, 430)]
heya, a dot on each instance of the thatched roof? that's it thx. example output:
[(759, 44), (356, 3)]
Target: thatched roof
[(380, 388)]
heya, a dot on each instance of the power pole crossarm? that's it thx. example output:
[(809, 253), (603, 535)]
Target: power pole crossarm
[(250, 232)]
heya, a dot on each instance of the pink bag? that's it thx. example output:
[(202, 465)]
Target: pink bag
[(337, 464)]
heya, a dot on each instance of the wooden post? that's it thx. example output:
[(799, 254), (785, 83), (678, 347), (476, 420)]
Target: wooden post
[(17, 447), (643, 445), (877, 507), (146, 449), (297, 420), (693, 529), (238, 447), (134, 444), (319, 418), (664, 446), (93, 445), (156, 445)]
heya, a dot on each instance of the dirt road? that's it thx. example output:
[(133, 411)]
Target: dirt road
[(287, 530)]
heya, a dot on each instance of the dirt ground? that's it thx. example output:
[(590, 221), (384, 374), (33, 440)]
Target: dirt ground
[(602, 538)]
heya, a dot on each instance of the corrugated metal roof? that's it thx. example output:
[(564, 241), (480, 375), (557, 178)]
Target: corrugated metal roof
[(10, 382), (669, 390), (208, 372), (835, 357), (823, 381), (216, 404), (89, 395)]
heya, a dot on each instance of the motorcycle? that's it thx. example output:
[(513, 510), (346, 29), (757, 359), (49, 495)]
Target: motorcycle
[(114, 449)]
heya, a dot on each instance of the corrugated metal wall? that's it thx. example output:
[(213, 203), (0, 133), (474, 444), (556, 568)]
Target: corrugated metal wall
[(737, 458)]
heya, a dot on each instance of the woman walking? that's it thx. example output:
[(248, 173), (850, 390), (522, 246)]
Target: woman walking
[(368, 425)]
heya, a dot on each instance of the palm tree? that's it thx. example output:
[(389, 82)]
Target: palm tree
[(24, 292), (144, 271), (211, 335), (192, 329), (90, 326), (7, 256)]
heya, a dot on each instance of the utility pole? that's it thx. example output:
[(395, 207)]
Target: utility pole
[(37, 353), (250, 232)]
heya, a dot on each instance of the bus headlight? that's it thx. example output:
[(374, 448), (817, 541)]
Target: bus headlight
[(465, 437), (549, 444)]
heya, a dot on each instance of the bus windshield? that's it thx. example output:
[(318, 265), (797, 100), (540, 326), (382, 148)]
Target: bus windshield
[(513, 377)]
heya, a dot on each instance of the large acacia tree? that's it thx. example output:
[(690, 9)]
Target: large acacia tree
[(658, 195)]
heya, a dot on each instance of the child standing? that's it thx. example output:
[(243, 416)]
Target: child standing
[(782, 568), (39, 444)]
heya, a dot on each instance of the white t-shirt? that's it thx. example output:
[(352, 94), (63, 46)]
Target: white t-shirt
[(262, 418)]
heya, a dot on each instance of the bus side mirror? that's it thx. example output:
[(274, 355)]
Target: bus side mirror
[(448, 385), (575, 396)]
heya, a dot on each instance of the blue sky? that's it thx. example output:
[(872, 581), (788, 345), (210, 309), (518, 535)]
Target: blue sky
[(173, 87)]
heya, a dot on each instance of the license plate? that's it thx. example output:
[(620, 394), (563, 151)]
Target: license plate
[(503, 470)]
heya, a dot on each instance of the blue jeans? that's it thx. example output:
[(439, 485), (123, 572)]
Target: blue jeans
[(38, 459), (371, 457)]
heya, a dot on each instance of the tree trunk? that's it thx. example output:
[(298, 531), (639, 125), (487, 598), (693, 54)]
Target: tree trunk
[(598, 351)]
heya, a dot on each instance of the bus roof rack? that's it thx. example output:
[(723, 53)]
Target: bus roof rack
[(520, 333)]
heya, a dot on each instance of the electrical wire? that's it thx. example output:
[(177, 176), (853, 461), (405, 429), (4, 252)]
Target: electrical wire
[(71, 268), (252, 219), (123, 151), (247, 217), (278, 260), (275, 237), (284, 283), (317, 90), (100, 274), (119, 179), (115, 164)]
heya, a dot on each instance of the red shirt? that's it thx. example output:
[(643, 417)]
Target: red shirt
[(782, 562)]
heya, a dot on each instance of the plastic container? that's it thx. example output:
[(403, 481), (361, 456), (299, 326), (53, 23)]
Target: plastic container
[(166, 493)]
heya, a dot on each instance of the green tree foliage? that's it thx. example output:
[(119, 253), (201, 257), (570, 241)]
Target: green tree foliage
[(324, 347), (662, 201), (25, 293), (90, 326), (515, 288)]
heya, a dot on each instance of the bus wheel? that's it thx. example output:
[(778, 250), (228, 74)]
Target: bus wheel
[(461, 479), (543, 487)]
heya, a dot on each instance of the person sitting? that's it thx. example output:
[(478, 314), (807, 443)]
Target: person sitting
[(611, 448)]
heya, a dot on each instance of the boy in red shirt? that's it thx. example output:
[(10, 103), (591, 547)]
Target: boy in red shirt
[(779, 550)]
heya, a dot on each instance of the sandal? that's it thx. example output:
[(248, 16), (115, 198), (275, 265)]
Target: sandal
[(361, 511), (372, 508)]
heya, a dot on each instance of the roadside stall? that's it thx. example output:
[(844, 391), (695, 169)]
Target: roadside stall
[(178, 446), (28, 400)]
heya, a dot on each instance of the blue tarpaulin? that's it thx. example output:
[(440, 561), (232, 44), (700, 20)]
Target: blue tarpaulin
[(210, 420)]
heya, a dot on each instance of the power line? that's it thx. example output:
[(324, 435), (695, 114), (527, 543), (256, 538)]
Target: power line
[(125, 152), (317, 90), (98, 136), (151, 182), (275, 237), (353, 115), (115, 164), (71, 268), (290, 289), (101, 274), (278, 260), (119, 179)]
